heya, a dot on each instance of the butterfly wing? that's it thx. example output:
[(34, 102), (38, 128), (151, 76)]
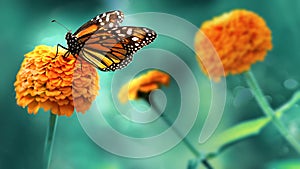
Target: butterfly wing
[(105, 20), (111, 49)]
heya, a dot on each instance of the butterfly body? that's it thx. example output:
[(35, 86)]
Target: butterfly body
[(74, 46), (107, 45)]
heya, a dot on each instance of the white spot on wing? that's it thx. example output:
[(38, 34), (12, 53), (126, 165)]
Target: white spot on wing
[(135, 38), (129, 31), (146, 30), (107, 18)]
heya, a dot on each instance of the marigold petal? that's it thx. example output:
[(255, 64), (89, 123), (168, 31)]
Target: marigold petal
[(33, 107), (41, 99), (148, 87), (82, 104), (55, 109), (62, 102), (24, 101), (66, 109), (52, 74), (52, 93), (47, 105)]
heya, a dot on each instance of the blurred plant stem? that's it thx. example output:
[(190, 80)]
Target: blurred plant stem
[(49, 140), (288, 105), (269, 112), (199, 156)]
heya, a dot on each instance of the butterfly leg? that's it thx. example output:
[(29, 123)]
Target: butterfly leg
[(59, 45), (66, 54)]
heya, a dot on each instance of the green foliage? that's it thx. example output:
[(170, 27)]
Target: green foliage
[(237, 133), (246, 129), (286, 164)]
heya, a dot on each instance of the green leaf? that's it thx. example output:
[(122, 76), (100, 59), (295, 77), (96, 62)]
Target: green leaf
[(237, 133), (287, 164), (246, 129)]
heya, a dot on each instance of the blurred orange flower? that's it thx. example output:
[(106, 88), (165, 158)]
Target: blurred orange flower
[(240, 38), (55, 83), (144, 84)]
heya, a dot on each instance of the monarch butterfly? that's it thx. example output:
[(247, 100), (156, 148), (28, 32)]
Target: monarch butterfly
[(105, 44)]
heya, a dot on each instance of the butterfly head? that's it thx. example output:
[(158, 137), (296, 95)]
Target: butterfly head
[(68, 35)]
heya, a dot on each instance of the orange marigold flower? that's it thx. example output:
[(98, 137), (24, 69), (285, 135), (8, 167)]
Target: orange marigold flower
[(240, 37), (144, 84), (55, 83)]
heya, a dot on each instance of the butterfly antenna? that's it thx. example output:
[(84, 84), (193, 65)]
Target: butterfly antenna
[(61, 25)]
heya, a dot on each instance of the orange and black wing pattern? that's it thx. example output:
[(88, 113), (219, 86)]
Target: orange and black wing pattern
[(112, 48), (107, 45), (105, 20)]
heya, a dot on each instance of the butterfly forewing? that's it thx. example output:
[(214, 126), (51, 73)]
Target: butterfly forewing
[(105, 20), (112, 48)]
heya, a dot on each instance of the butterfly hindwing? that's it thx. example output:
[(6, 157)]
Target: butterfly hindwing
[(113, 48)]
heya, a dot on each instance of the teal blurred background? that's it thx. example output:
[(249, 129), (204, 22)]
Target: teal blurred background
[(25, 24)]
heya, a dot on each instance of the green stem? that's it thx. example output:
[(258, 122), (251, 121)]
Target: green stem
[(184, 139), (49, 140), (189, 145), (289, 104), (269, 112)]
